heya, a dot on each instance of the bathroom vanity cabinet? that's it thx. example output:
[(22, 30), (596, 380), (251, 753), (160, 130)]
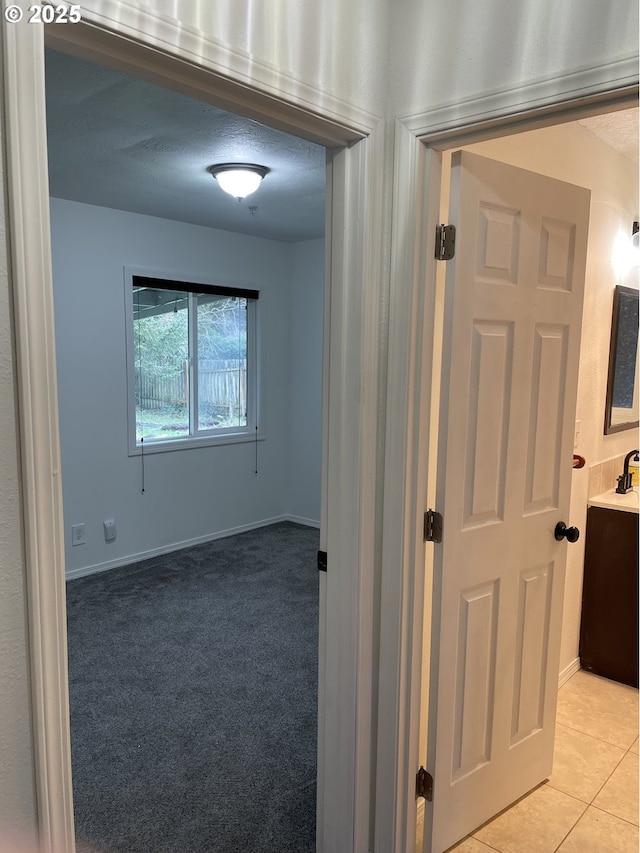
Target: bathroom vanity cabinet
[(609, 623)]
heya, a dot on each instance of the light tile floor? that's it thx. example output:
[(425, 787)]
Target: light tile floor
[(590, 803)]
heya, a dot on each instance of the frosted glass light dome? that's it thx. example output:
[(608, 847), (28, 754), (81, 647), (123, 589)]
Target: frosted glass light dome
[(238, 179)]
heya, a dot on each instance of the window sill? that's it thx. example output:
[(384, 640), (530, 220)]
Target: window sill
[(170, 445)]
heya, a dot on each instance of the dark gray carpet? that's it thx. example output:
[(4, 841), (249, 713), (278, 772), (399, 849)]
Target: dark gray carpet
[(193, 687)]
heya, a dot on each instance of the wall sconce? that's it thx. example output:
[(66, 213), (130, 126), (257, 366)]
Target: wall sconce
[(238, 179), (626, 252)]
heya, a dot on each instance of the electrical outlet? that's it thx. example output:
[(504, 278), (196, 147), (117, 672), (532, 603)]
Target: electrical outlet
[(109, 525), (78, 535)]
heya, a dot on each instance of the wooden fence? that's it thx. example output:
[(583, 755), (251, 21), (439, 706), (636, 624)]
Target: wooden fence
[(222, 386)]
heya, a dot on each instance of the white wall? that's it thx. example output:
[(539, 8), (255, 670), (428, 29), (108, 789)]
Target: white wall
[(448, 52), (320, 53), (305, 447), (571, 153), (190, 495), (17, 803)]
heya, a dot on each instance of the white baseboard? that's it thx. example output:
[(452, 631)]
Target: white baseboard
[(71, 574), (568, 671), (308, 522)]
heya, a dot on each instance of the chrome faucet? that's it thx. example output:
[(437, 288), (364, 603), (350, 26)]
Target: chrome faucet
[(625, 480)]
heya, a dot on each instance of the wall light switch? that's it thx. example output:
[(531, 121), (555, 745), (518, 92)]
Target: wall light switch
[(109, 525), (78, 535)]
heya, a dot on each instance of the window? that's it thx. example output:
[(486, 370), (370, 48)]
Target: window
[(192, 363)]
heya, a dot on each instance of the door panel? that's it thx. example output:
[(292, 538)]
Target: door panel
[(532, 629), (475, 668), (513, 310), (490, 389)]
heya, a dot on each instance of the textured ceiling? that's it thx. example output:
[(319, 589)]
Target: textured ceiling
[(119, 142), (618, 129)]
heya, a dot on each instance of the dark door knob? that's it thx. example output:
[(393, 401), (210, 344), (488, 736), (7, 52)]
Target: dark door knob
[(571, 534)]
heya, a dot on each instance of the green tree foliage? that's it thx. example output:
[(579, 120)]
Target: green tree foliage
[(162, 343), (222, 328), (162, 340)]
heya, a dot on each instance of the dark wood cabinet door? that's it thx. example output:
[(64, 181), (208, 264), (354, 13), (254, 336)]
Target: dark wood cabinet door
[(609, 624)]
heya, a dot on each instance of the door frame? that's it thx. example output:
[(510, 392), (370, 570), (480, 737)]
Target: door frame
[(407, 659), (355, 339)]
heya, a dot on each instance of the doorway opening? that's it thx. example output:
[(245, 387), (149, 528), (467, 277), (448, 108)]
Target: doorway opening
[(354, 305), (576, 153), (129, 190)]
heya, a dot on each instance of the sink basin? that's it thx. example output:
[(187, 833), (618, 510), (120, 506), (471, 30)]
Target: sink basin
[(612, 500)]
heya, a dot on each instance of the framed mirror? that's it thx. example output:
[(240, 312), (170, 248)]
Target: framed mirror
[(621, 411)]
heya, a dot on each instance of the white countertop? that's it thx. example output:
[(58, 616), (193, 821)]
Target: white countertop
[(612, 500)]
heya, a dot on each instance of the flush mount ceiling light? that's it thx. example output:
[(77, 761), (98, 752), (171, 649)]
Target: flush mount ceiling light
[(238, 179)]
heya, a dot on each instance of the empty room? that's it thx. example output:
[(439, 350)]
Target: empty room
[(189, 344)]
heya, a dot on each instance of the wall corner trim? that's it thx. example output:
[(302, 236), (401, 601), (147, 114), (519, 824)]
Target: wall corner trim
[(129, 559), (31, 284), (268, 89), (568, 671), (544, 94)]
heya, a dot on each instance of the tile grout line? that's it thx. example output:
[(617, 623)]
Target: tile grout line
[(538, 788), (588, 734), (573, 796), (574, 825), (497, 849), (608, 779), (616, 816), (628, 752), (586, 804)]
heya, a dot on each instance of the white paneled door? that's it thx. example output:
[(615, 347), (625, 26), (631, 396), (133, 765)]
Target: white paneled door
[(513, 310)]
